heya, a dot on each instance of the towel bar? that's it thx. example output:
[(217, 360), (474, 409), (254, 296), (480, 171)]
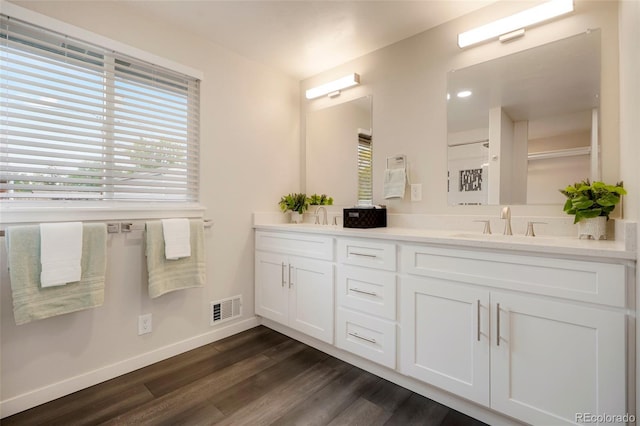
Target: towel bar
[(117, 227), (397, 162)]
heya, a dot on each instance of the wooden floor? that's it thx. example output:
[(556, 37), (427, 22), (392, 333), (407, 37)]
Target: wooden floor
[(257, 377)]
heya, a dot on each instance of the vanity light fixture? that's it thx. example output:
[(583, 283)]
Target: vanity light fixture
[(333, 87), (513, 26)]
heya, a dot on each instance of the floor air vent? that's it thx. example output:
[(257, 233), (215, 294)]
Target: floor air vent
[(226, 309)]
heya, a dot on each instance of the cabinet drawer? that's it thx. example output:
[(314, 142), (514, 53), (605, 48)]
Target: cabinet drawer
[(317, 247), (366, 253), (367, 290), (593, 282), (366, 336)]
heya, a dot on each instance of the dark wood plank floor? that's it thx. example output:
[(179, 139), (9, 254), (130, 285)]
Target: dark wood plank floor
[(258, 377)]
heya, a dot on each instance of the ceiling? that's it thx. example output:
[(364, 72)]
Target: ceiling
[(304, 38)]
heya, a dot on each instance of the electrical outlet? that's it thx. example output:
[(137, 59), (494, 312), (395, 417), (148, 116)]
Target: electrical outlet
[(144, 324), (416, 192)]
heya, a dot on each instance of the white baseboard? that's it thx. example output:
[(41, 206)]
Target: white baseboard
[(73, 384)]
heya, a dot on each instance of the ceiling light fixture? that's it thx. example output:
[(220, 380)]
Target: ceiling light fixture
[(519, 21), (464, 94), (333, 87)]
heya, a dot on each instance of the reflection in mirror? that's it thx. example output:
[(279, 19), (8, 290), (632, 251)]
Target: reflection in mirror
[(523, 125), (340, 138)]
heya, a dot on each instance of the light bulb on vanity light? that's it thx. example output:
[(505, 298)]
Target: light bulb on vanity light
[(333, 87), (514, 25)]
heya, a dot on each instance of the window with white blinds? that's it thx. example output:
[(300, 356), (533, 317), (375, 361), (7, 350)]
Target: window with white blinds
[(82, 122), (365, 184)]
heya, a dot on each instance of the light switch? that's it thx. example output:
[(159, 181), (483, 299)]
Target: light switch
[(416, 192)]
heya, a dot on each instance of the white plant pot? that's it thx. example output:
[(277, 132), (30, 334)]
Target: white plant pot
[(296, 217), (593, 228)]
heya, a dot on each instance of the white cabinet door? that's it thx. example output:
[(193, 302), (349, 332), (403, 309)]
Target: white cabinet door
[(445, 335), (311, 297), (556, 360), (272, 287)]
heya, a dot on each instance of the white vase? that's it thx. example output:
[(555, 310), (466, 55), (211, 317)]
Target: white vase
[(296, 217), (593, 228)]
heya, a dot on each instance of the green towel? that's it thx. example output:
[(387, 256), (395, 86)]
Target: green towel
[(170, 275), (32, 302)]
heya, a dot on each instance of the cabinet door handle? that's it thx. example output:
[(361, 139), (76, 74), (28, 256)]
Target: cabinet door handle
[(478, 331), (363, 254), (367, 339), (290, 276), (498, 325), (282, 271), (370, 293)]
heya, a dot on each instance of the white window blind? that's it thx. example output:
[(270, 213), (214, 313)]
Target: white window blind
[(83, 122), (365, 184)]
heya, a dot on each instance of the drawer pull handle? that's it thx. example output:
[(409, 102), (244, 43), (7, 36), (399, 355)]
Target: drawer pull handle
[(283, 280), (373, 256), (478, 320), (290, 276), (498, 325), (370, 293), (367, 339)]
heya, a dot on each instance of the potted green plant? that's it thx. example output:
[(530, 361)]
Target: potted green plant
[(320, 200), (591, 204), (297, 203)]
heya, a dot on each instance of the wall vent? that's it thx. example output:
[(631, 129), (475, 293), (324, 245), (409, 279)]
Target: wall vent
[(225, 309)]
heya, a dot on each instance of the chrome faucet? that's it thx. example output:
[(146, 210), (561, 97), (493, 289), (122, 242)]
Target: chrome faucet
[(506, 214), (324, 217)]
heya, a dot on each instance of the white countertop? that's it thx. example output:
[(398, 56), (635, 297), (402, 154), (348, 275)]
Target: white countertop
[(540, 245)]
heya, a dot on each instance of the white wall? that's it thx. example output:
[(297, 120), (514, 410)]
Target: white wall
[(250, 157), (408, 82)]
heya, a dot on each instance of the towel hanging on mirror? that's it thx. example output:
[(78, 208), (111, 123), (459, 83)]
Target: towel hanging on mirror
[(394, 184)]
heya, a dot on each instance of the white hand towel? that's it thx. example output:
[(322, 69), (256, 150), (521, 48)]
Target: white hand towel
[(177, 238), (394, 183), (60, 253)]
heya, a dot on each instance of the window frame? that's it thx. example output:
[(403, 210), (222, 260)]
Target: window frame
[(22, 211)]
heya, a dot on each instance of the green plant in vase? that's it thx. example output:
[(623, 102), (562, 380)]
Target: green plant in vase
[(587, 200), (297, 203), (591, 204), (320, 200)]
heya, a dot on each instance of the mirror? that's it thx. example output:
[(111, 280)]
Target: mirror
[(339, 137), (523, 125)]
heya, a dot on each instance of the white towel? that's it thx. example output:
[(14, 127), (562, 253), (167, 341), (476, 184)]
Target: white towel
[(60, 253), (177, 238), (394, 183), (170, 275)]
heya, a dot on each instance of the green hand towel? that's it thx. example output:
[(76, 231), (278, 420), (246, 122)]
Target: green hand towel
[(170, 275), (32, 302)]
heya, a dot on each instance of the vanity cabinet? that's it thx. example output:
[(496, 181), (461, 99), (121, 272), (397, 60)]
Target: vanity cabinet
[(539, 354), (296, 290), (520, 334), (366, 298)]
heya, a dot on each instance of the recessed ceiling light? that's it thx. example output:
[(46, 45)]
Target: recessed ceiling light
[(464, 94)]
